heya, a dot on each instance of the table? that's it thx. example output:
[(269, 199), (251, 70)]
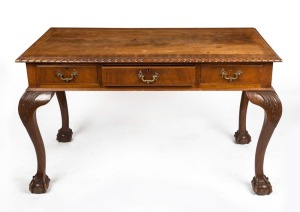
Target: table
[(107, 59)]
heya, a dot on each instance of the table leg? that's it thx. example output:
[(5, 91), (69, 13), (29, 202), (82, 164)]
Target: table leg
[(241, 135), (64, 133), (28, 105), (271, 104)]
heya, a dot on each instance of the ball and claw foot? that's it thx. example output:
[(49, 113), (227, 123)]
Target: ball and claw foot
[(261, 186), (64, 136), (242, 138), (38, 185)]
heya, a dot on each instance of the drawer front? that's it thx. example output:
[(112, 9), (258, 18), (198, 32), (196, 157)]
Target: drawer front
[(230, 76), (148, 75), (66, 75)]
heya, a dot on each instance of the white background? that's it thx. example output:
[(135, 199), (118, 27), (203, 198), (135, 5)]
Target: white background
[(149, 151)]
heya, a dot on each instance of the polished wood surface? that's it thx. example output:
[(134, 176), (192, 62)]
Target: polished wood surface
[(89, 52), (271, 104), (166, 75), (205, 76), (67, 45), (91, 59), (47, 74), (28, 105), (64, 133), (242, 136)]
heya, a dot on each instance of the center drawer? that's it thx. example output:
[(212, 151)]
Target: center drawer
[(148, 75)]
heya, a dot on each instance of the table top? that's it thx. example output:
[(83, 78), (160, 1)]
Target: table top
[(144, 45)]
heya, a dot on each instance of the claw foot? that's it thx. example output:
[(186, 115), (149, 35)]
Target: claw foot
[(242, 138), (64, 135), (261, 186), (38, 185)]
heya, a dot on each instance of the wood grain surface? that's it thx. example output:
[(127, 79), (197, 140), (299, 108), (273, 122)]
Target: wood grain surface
[(105, 45)]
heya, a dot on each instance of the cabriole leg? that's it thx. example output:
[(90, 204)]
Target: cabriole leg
[(271, 104), (28, 105), (241, 135), (64, 133)]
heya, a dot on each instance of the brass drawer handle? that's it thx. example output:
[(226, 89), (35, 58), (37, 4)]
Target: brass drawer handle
[(154, 77), (66, 79), (224, 75)]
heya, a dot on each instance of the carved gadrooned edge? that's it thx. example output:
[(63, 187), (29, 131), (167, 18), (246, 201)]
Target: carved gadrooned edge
[(261, 186), (146, 60), (38, 185), (270, 101), (64, 135), (242, 137)]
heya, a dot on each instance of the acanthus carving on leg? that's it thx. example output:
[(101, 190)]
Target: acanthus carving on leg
[(28, 105), (271, 104), (241, 135), (64, 133)]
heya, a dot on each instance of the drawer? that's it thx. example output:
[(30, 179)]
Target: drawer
[(148, 75), (66, 75), (230, 76)]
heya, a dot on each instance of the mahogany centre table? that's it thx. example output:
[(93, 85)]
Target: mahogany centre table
[(101, 59)]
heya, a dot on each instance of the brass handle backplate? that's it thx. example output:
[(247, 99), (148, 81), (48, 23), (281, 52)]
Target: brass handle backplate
[(66, 79), (142, 77), (235, 75)]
